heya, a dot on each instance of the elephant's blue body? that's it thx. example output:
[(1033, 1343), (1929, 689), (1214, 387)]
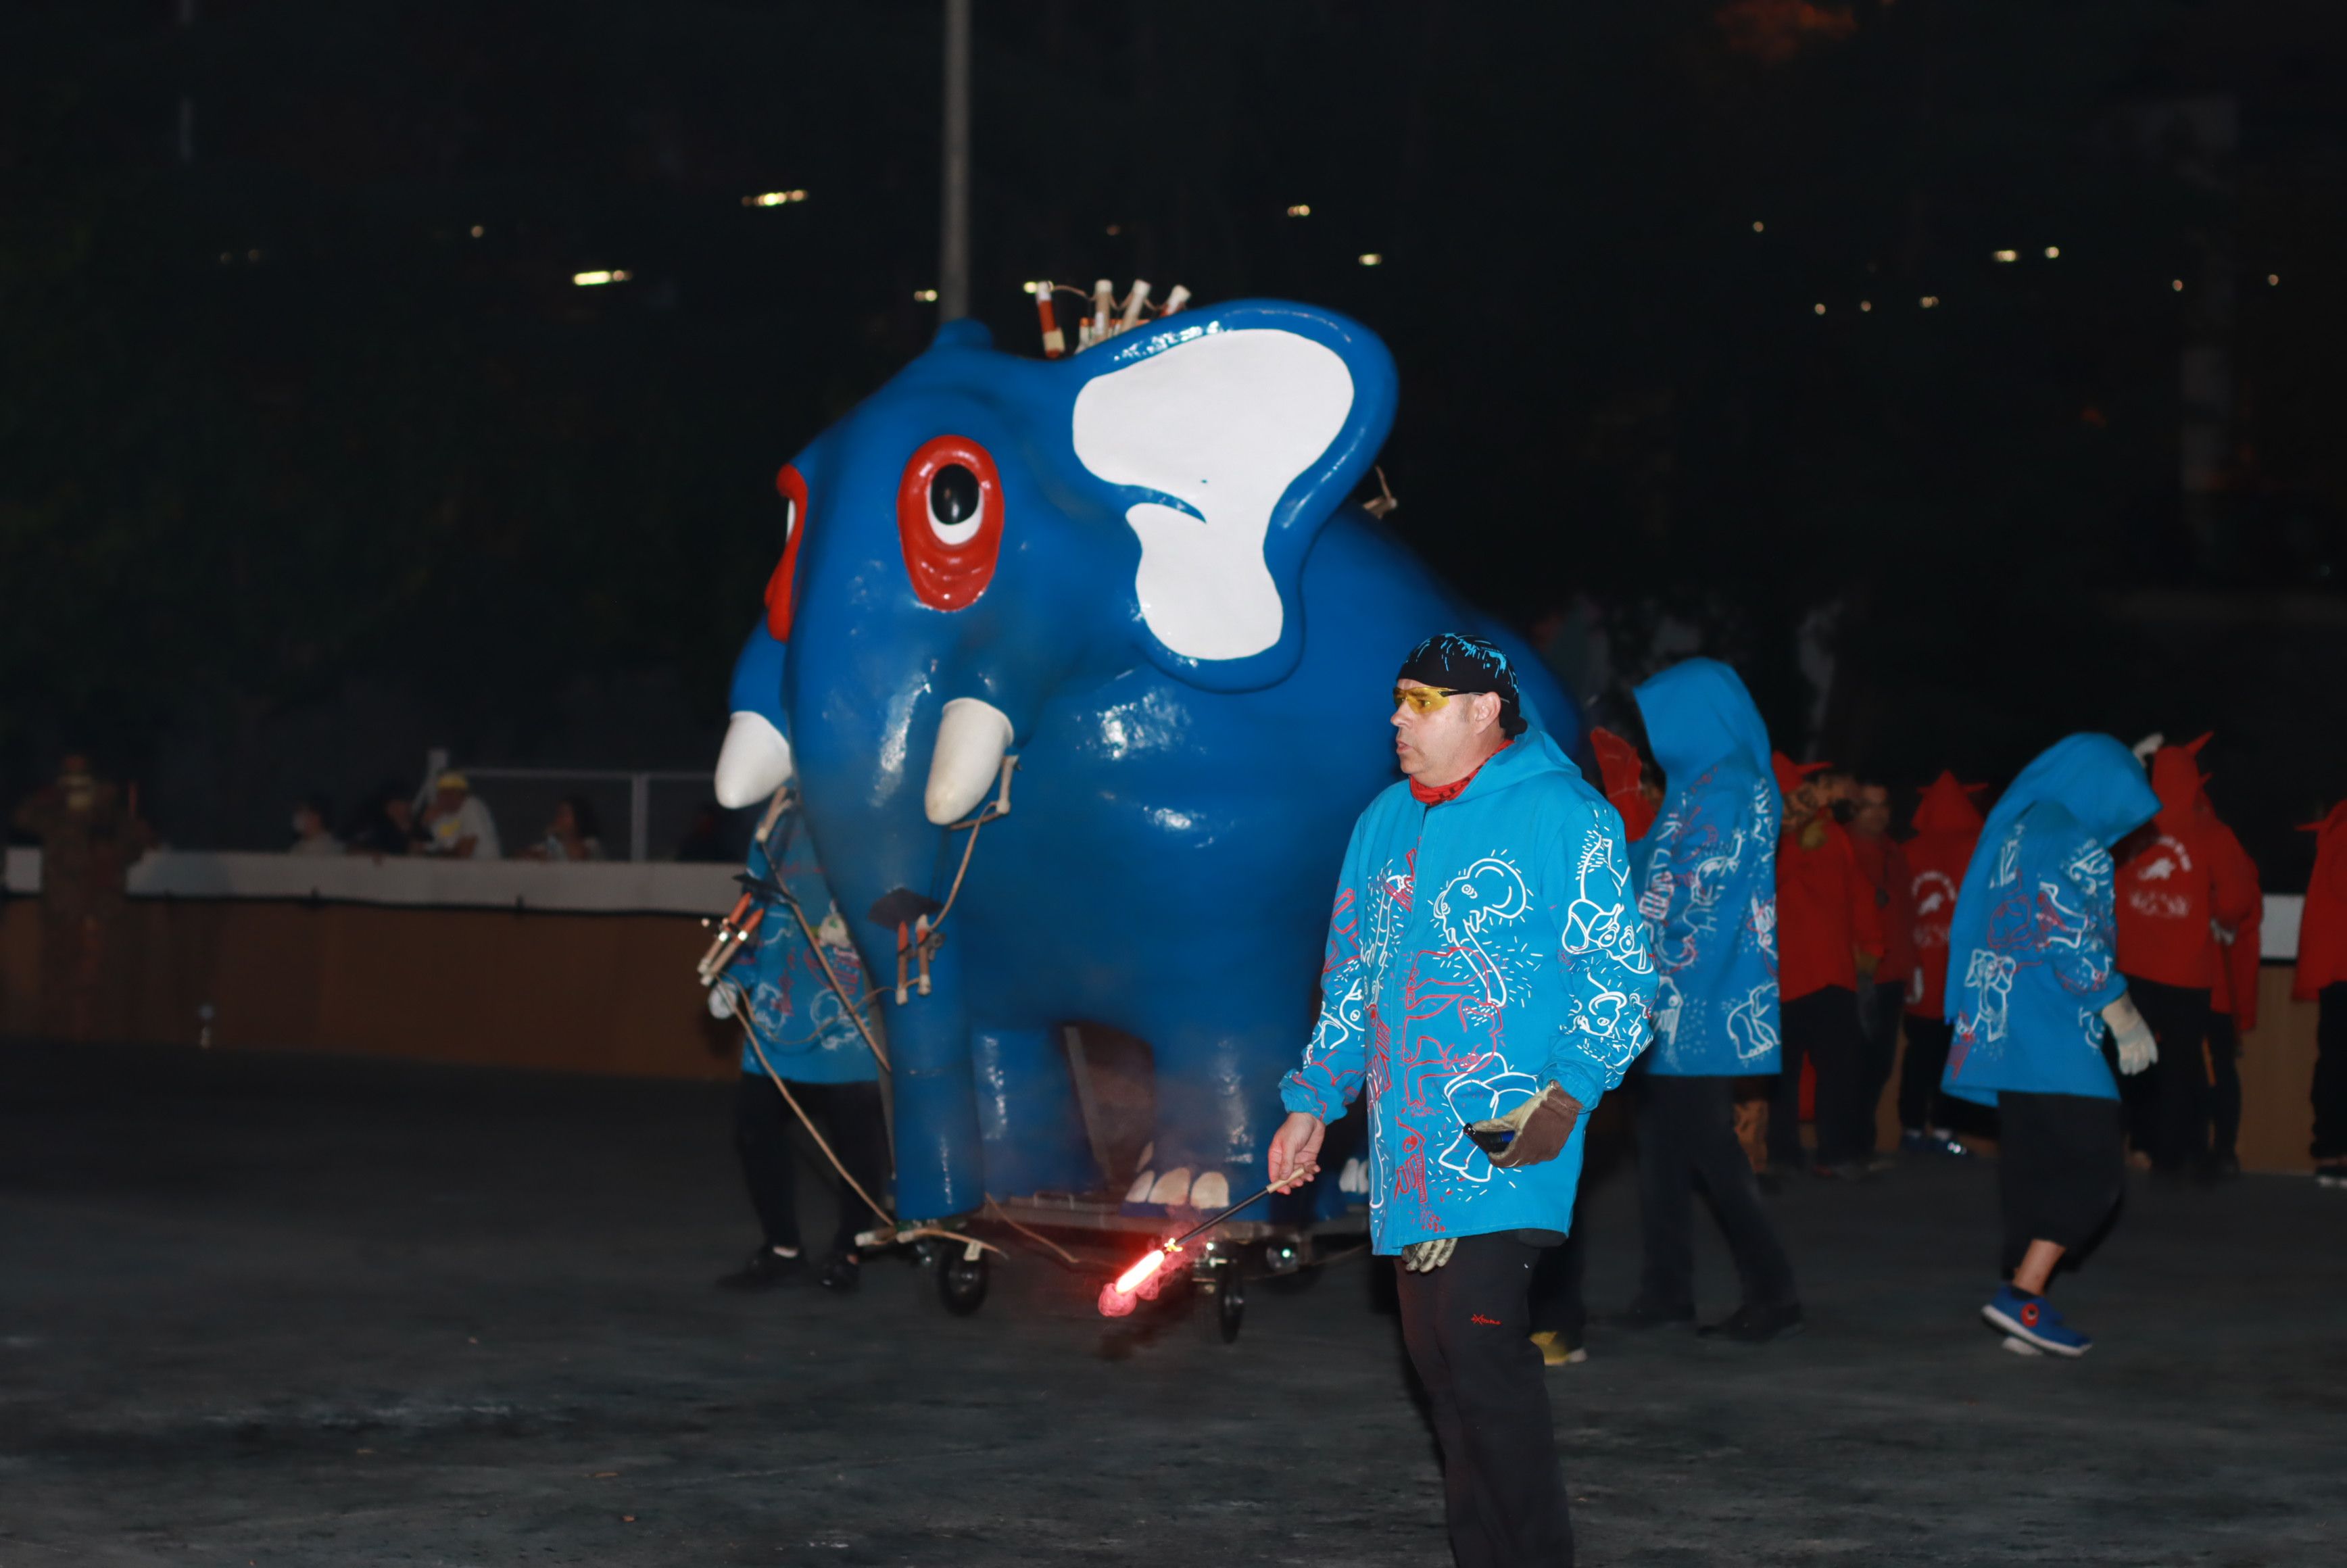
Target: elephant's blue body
[(1177, 820)]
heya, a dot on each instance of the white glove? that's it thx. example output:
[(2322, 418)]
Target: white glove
[(720, 999), (1425, 1256), (2136, 1048)]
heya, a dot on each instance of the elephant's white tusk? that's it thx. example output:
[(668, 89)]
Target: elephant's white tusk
[(973, 736), (754, 762)]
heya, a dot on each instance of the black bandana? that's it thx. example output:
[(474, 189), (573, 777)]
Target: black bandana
[(1459, 663)]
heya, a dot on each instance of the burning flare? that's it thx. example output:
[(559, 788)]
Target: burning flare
[(1140, 1283)]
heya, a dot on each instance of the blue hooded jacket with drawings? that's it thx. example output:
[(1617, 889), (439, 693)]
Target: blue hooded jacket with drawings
[(1707, 875), (807, 1032), (1479, 949), (2030, 946)]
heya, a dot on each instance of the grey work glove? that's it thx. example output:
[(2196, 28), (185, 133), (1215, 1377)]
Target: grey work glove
[(1540, 1127), (1425, 1256), (2136, 1048)]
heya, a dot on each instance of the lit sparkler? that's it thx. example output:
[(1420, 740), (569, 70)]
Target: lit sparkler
[(1145, 1279)]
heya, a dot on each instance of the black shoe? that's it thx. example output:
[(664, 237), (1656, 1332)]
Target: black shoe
[(766, 1269), (842, 1272), (1755, 1325), (1642, 1315)]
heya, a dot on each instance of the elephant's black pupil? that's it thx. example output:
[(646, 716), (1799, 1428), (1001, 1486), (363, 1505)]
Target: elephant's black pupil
[(953, 495)]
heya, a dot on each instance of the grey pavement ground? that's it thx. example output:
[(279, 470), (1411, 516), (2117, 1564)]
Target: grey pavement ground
[(279, 1310)]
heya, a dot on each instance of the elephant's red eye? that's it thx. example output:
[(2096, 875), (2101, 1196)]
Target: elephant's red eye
[(792, 484), (950, 518)]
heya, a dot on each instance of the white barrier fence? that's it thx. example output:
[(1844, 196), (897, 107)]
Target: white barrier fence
[(594, 886), (603, 886)]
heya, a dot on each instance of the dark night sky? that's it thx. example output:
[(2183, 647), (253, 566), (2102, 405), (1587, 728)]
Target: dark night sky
[(283, 444)]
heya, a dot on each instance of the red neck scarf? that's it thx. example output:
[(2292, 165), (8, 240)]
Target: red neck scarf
[(1435, 795)]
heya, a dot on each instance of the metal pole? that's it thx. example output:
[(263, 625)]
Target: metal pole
[(953, 247), (640, 817)]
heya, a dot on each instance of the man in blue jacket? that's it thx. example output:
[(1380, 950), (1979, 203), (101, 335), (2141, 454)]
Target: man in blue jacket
[(2031, 989), (793, 1017), (1707, 889), (1487, 980)]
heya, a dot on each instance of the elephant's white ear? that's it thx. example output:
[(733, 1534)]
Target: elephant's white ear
[(1233, 434)]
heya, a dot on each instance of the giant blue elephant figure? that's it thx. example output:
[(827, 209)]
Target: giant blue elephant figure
[(1137, 570)]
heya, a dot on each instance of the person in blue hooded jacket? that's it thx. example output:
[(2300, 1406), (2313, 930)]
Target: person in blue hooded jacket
[(1707, 890), (792, 1016), (1487, 980), (2032, 987)]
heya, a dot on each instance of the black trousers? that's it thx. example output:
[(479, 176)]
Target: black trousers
[(2061, 1169), (1468, 1325), (852, 1123), (1822, 1027), (1687, 1139), (2168, 1109), (1921, 1104), (1880, 1006), (2330, 1074), (1558, 1304), (2225, 1086)]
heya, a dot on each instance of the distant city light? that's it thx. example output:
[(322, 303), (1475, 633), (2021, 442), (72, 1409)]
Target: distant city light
[(1301, 209), (1116, 227), (927, 296), (1372, 259), (2176, 284), (253, 255), (1866, 305), (2273, 279), (1929, 300), (1819, 308), (2005, 255), (773, 198), (2053, 253), (477, 230), (596, 280), (1758, 227)]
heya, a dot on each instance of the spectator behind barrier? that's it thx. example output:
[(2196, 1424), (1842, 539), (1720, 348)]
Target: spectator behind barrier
[(458, 824), (573, 833), (384, 826), (705, 839), (309, 834)]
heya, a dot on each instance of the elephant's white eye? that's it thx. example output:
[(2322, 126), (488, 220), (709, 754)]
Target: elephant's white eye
[(953, 505), (950, 521), (793, 488)]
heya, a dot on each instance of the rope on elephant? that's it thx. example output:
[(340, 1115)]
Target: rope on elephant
[(996, 1211), (757, 1048), (1000, 809)]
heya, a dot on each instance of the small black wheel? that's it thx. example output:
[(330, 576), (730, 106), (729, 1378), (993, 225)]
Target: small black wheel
[(1298, 1274), (962, 1282), (1230, 1306)]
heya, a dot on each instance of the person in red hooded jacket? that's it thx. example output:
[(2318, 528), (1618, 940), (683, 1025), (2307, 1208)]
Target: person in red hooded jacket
[(2232, 1002), (1947, 827), (2323, 978), (1881, 998), (1829, 937), (2171, 895), (1626, 789)]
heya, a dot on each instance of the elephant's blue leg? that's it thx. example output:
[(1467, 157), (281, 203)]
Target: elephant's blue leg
[(1027, 1113), (1218, 1101), (940, 1161)]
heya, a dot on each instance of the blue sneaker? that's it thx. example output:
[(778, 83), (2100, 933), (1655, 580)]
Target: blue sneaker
[(2034, 1320)]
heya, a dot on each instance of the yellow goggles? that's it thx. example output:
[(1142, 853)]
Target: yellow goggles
[(1423, 699)]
